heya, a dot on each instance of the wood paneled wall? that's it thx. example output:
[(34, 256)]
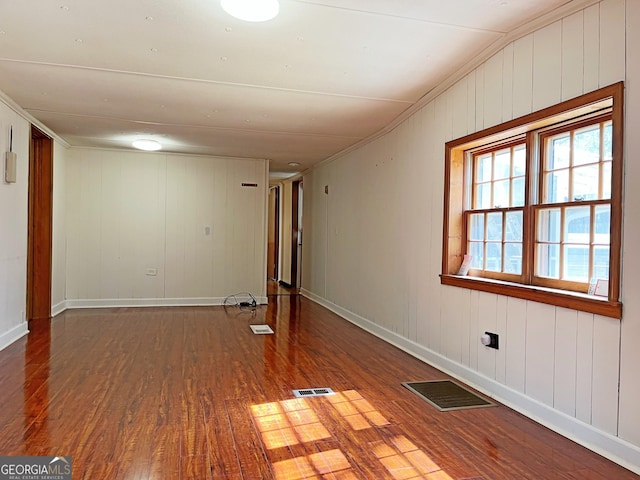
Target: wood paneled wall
[(374, 242), (130, 212)]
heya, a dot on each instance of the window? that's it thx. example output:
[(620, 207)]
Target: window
[(536, 203)]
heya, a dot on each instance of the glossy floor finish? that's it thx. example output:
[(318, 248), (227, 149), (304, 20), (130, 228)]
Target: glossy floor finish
[(192, 393)]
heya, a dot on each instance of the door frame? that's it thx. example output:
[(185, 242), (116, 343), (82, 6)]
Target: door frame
[(40, 226), (296, 231)]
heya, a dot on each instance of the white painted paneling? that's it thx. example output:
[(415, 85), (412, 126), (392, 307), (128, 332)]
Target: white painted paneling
[(572, 55), (479, 106), (584, 366), (59, 232), (539, 368), (564, 378), (459, 107), (507, 83), (493, 76), (629, 424), (13, 228), (612, 41), (474, 322), (591, 32), (134, 213), (515, 344), (523, 76), (471, 102), (547, 66), (487, 322), (606, 357), (501, 330)]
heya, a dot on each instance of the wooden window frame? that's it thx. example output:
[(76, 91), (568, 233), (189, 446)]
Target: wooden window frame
[(453, 248)]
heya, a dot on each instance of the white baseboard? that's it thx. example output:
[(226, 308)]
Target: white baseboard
[(58, 308), (615, 449), (14, 334), (149, 302)]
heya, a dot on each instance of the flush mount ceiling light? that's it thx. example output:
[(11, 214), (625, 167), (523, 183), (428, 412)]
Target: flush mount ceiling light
[(148, 145), (251, 10)]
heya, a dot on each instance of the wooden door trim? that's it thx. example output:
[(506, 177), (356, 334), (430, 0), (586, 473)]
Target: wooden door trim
[(40, 225)]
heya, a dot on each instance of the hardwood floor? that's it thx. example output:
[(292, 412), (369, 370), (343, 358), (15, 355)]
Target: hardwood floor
[(191, 393)]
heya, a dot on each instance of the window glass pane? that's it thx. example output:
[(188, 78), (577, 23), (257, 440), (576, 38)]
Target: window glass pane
[(549, 225), (513, 228), (476, 249), (577, 225), (494, 257), (548, 260), (502, 165), (501, 194), (476, 227), (601, 262), (483, 172), (576, 263), (483, 196), (518, 192), (607, 142), (586, 145), (494, 226), (519, 161), (513, 258), (602, 225), (585, 182), (557, 186), (559, 152), (606, 180)]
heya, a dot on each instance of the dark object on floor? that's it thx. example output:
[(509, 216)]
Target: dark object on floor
[(447, 395)]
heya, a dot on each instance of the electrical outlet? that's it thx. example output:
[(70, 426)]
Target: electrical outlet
[(151, 272), (490, 340)]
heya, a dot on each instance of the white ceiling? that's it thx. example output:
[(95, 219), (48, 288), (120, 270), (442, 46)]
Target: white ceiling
[(319, 78)]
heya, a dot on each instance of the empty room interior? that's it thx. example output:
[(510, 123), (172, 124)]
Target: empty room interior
[(332, 239)]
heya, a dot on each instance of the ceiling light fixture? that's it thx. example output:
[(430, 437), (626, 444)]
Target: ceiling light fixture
[(251, 10), (148, 145), (294, 164)]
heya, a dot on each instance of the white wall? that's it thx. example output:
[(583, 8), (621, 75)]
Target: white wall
[(129, 212), (373, 244), (13, 228), (59, 233)]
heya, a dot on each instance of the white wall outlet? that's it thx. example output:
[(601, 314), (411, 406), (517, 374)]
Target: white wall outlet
[(151, 272), (207, 231)]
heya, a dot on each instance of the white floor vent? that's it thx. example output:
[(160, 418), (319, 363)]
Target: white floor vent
[(261, 329), (313, 392)]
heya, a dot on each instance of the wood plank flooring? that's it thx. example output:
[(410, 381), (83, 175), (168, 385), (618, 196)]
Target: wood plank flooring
[(192, 393)]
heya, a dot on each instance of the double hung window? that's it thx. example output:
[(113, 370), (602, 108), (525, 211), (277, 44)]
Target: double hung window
[(535, 205)]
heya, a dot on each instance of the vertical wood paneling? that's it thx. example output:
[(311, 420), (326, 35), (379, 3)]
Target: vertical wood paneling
[(523, 76), (612, 41), (471, 102), (584, 366), (487, 313), (459, 107), (501, 330), (515, 344), (547, 66), (111, 195), (507, 83), (493, 75), (564, 387), (591, 31), (479, 107), (629, 424), (473, 329), (606, 357), (572, 55), (540, 352)]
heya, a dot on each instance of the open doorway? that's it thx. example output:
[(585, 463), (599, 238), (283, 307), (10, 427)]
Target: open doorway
[(273, 233), (40, 226), (296, 234)]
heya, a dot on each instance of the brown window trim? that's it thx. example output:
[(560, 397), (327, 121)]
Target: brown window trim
[(452, 248)]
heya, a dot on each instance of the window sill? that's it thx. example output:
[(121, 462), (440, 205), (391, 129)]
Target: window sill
[(550, 296)]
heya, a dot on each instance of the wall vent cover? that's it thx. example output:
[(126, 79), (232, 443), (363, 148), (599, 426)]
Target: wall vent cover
[(313, 392), (261, 329), (447, 395)]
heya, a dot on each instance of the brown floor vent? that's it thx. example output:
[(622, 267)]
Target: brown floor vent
[(447, 395)]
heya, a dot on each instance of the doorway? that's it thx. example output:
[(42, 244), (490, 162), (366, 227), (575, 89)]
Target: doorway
[(273, 233), (40, 221), (296, 234)]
